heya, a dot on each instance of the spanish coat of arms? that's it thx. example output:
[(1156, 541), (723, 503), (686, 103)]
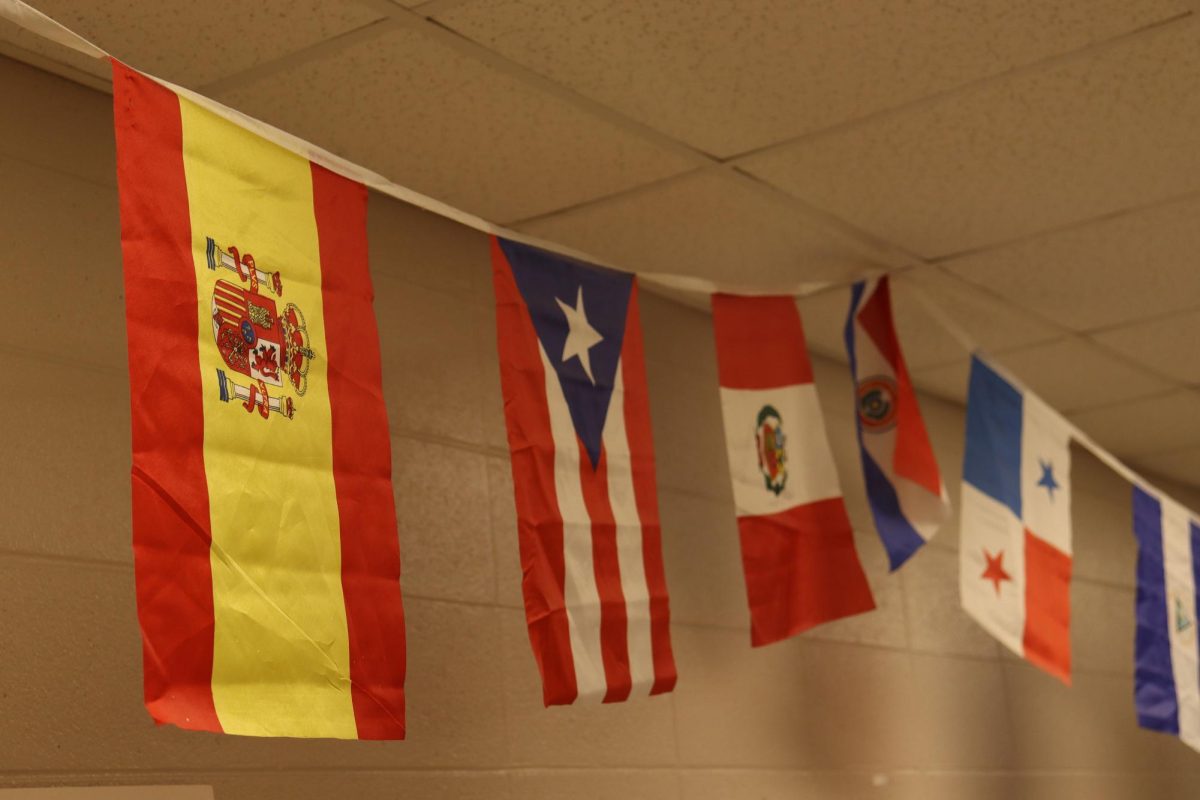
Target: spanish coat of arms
[(265, 349)]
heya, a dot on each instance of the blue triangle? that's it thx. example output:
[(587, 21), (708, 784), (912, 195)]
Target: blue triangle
[(545, 278)]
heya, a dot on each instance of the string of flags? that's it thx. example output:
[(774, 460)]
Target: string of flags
[(266, 558)]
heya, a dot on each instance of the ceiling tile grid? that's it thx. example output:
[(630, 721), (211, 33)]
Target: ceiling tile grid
[(455, 128), (193, 43), (1104, 132), (1040, 155), (728, 76)]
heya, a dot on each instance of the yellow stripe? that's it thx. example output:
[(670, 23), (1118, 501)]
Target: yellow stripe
[(281, 664)]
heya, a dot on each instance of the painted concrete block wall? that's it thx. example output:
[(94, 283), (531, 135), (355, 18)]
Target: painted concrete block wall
[(911, 701)]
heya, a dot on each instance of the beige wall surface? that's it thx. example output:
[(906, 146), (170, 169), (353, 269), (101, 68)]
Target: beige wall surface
[(911, 701)]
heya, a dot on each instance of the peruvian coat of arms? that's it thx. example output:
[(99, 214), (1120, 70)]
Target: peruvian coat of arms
[(265, 348), (771, 444)]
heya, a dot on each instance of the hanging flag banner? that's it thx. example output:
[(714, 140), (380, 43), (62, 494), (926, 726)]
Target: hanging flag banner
[(904, 486), (1167, 662), (1015, 547), (265, 548), (798, 550), (573, 377)]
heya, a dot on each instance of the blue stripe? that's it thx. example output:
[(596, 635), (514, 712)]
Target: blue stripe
[(899, 537), (992, 462), (1154, 680)]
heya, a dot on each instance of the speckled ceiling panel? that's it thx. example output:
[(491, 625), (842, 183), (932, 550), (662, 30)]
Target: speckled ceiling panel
[(706, 224), (731, 75), (1110, 130), (993, 324), (447, 125), (1101, 274), (193, 42)]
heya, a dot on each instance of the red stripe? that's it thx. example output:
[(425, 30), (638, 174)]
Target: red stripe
[(172, 533), (802, 569), (614, 619), (914, 458), (760, 342), (362, 460), (539, 521), (645, 491), (1047, 636)]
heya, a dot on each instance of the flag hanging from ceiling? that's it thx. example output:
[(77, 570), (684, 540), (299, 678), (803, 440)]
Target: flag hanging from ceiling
[(1015, 541), (264, 531), (904, 486), (573, 377), (1166, 662), (798, 550)]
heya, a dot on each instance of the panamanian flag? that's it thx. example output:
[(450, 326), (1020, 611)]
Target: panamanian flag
[(1167, 662), (574, 381), (904, 486), (1015, 547)]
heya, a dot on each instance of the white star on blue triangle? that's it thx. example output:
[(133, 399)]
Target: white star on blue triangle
[(1047, 479)]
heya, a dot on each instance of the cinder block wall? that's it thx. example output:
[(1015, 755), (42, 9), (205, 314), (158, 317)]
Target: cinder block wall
[(911, 701)]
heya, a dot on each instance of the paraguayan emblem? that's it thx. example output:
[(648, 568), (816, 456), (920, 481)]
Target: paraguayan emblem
[(772, 452), (877, 404), (266, 349)]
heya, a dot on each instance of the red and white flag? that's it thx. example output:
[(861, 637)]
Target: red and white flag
[(578, 415), (798, 551)]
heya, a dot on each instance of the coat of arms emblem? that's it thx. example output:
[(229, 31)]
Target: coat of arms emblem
[(264, 345), (877, 403), (772, 453)]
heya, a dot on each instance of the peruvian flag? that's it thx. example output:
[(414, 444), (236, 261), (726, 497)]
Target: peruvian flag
[(798, 551)]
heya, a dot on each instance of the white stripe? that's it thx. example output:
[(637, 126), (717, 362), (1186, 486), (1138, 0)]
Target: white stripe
[(1181, 590), (924, 511), (810, 469), (629, 540), (579, 586), (988, 529)]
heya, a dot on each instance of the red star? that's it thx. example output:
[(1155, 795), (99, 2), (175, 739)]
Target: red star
[(995, 569)]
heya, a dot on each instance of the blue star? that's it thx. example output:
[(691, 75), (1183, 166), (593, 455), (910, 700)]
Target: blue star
[(1048, 478)]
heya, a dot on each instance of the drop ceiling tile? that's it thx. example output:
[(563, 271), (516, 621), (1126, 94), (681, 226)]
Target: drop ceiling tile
[(193, 43), (1075, 374), (1162, 422), (1179, 465), (1102, 273), (707, 224), (949, 381), (731, 75), (447, 125), (990, 323), (1112, 129), (1167, 345)]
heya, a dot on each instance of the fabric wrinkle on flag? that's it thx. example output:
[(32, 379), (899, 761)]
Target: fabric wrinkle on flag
[(577, 412), (904, 485), (798, 552), (1166, 650), (1015, 548), (265, 550)]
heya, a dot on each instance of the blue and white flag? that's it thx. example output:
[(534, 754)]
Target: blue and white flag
[(1166, 662), (1015, 541)]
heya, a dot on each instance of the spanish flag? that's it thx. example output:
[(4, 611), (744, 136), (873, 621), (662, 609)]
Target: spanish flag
[(264, 526)]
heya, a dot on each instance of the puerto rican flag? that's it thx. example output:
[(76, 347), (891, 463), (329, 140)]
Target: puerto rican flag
[(1167, 662), (798, 552), (575, 401), (904, 486), (1015, 547)]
